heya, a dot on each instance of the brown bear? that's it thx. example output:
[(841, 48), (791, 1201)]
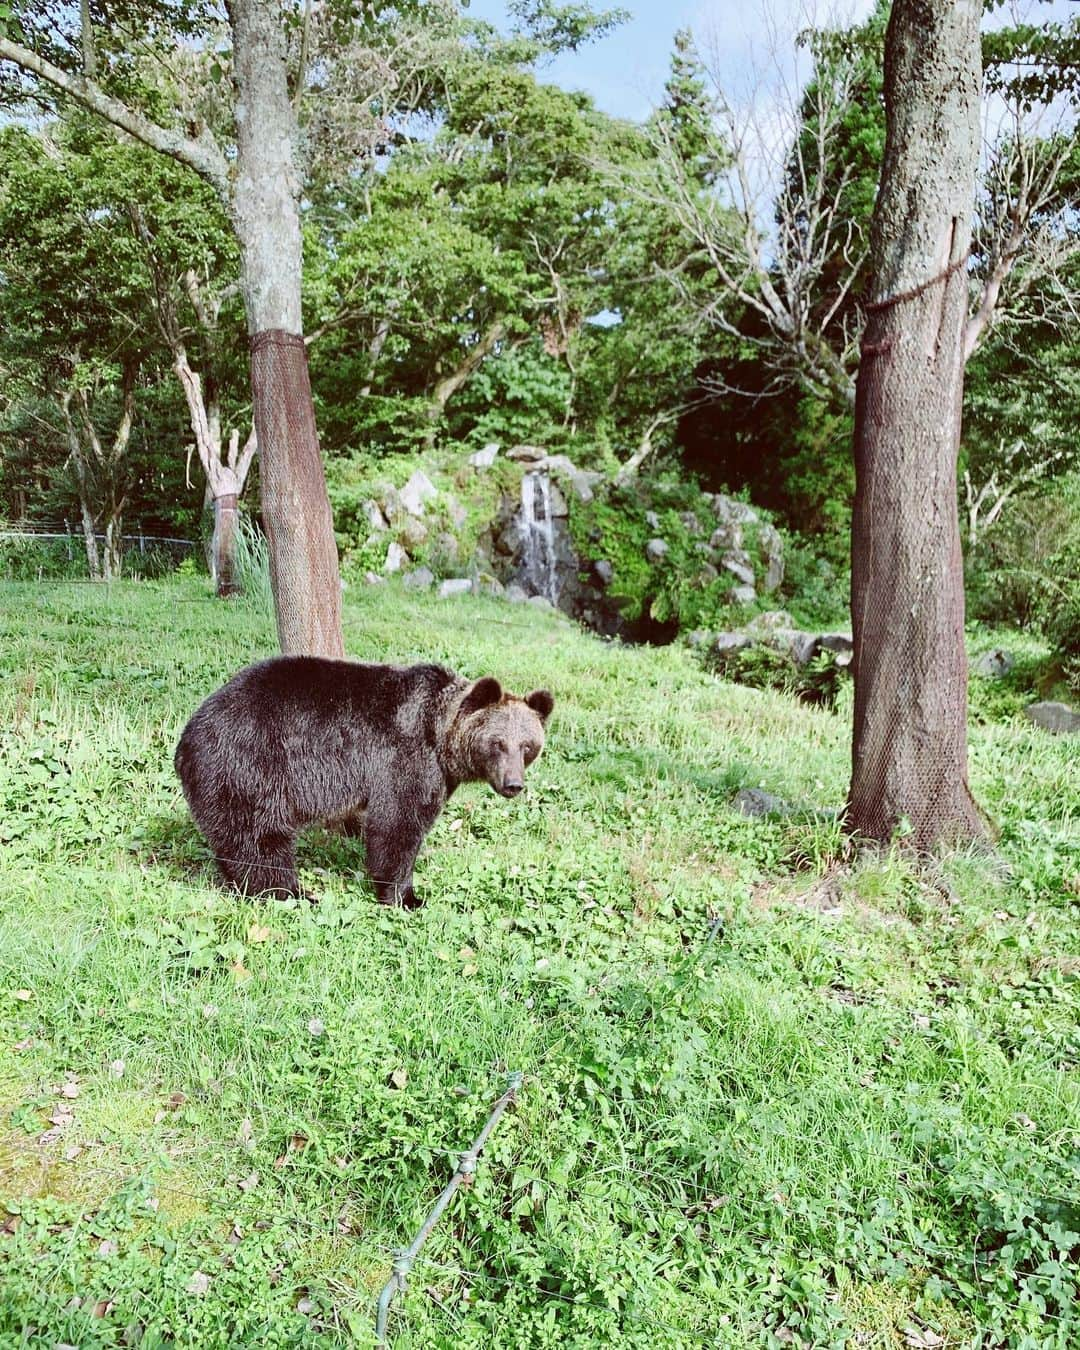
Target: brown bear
[(300, 740)]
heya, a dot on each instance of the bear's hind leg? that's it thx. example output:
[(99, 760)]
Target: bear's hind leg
[(260, 863)]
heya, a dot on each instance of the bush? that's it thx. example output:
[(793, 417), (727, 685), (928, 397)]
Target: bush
[(26, 557), (763, 667), (1014, 573), (1060, 611)]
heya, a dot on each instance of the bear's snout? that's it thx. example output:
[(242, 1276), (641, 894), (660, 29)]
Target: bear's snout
[(511, 787)]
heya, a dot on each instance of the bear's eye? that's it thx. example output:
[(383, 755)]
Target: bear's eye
[(502, 747), (529, 751)]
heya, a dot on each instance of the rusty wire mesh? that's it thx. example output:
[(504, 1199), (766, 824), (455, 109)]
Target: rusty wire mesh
[(296, 513)]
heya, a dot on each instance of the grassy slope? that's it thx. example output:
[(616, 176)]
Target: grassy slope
[(852, 1113)]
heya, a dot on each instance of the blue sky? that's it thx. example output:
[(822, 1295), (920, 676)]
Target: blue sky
[(625, 71)]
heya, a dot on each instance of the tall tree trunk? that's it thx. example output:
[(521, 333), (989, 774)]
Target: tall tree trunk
[(448, 386), (81, 475), (909, 761), (296, 510)]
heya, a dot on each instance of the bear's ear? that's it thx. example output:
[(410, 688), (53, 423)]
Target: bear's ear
[(483, 694), (541, 702)]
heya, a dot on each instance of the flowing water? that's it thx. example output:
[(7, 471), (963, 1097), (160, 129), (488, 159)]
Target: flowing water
[(537, 572)]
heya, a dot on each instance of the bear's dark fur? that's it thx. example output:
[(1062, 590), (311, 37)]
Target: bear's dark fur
[(299, 740)]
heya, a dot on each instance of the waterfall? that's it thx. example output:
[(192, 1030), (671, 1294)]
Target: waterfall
[(538, 537)]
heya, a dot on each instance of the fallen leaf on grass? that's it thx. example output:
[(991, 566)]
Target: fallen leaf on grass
[(28, 1044), (117, 1067), (399, 1078), (102, 1308), (198, 1284), (241, 974), (245, 1134), (70, 1089), (176, 1100), (249, 1183), (23, 995), (107, 1247)]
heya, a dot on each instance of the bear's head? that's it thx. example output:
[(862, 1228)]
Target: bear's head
[(501, 734)]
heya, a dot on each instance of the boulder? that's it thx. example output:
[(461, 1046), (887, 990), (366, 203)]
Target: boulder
[(447, 546), (517, 595), (390, 502), (454, 586), (581, 481), (1057, 718), (454, 509), (801, 647), (603, 571), (756, 802), (396, 558), (726, 537), (527, 454), (730, 512), (992, 665), (840, 644), (372, 513), (740, 571), (771, 546), (417, 492), (690, 522), (727, 644), (707, 575), (486, 457), (652, 520), (540, 602), (419, 579), (742, 595), (413, 532), (771, 618), (656, 549)]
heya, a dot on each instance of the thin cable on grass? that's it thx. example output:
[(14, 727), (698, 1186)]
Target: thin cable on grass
[(466, 1170)]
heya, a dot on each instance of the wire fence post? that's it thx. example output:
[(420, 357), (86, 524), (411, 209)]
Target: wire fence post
[(466, 1170)]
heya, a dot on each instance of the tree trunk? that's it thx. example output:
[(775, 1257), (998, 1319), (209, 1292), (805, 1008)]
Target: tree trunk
[(93, 560), (909, 761), (223, 544), (448, 386), (113, 553), (296, 510)]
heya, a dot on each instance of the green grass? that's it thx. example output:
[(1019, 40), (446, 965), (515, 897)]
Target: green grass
[(850, 1118)]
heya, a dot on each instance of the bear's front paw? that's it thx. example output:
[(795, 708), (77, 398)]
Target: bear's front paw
[(400, 897)]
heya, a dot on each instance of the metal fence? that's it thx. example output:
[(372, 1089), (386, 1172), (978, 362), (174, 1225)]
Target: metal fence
[(56, 550)]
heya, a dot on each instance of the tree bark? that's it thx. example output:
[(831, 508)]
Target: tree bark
[(296, 510), (448, 386), (909, 760)]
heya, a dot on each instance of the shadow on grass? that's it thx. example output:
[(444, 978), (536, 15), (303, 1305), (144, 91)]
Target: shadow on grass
[(174, 842)]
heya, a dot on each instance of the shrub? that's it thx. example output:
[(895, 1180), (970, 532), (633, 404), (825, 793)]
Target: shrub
[(1014, 572)]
